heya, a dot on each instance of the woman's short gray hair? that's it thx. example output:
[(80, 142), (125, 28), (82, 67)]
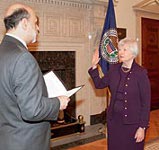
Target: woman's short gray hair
[(133, 45)]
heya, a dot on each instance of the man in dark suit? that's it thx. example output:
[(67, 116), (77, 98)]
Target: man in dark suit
[(25, 109)]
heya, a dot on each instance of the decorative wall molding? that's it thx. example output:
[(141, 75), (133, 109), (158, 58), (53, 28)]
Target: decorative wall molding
[(85, 4), (63, 3), (51, 24), (151, 6), (148, 3)]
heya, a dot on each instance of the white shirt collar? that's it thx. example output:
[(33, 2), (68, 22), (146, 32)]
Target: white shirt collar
[(22, 41)]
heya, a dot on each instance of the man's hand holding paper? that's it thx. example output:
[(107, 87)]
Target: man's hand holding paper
[(63, 102)]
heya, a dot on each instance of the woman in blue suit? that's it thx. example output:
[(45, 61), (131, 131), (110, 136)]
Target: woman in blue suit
[(129, 109)]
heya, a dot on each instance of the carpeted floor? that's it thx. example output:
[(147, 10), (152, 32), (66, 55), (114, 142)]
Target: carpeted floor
[(152, 144)]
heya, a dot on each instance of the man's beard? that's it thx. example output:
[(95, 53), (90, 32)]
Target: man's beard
[(34, 39)]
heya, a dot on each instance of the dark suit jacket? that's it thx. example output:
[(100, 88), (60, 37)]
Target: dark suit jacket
[(24, 106), (137, 93)]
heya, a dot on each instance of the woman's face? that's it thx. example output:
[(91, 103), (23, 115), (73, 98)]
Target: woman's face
[(125, 54)]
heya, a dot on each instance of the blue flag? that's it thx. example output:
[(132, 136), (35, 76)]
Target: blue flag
[(109, 38)]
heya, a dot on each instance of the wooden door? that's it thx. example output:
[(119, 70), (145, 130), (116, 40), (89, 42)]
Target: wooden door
[(150, 56)]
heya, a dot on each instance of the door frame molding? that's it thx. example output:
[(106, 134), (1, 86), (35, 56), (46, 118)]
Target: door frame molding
[(145, 9)]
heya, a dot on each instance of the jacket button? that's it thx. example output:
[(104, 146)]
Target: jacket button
[(126, 101), (126, 85), (125, 93), (126, 115), (128, 78), (126, 108)]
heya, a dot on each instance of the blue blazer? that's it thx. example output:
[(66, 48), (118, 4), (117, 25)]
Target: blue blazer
[(137, 93)]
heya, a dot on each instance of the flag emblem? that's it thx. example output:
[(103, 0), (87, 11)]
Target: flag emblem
[(108, 51)]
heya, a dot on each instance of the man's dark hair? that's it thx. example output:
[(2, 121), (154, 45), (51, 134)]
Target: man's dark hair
[(13, 20)]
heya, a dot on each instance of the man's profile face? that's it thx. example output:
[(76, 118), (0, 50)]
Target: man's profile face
[(33, 27)]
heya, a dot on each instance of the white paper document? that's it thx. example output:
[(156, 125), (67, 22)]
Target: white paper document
[(56, 88)]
